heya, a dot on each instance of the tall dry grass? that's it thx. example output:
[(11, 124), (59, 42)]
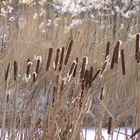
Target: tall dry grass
[(55, 83)]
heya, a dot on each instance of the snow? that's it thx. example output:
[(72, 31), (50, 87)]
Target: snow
[(118, 134)]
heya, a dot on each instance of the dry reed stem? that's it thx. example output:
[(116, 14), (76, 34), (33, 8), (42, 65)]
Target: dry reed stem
[(135, 133), (96, 74)]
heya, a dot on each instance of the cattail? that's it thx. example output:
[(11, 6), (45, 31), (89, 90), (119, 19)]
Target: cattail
[(7, 72), (62, 85), (57, 58), (29, 63), (103, 68), (117, 51), (107, 50), (84, 63), (72, 68), (49, 58), (15, 70), (113, 60), (90, 76), (61, 59), (123, 61), (38, 61), (110, 126), (135, 133), (102, 93), (34, 77), (68, 52), (96, 74), (74, 73), (116, 54), (137, 55), (86, 78)]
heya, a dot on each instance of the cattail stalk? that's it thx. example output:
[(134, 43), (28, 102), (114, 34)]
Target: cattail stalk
[(49, 58), (68, 52), (135, 133), (96, 74), (103, 68)]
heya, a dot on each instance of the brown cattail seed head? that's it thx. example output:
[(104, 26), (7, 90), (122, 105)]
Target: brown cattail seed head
[(7, 72), (90, 76), (15, 70), (74, 73), (72, 68), (86, 78), (110, 126), (49, 58), (107, 50), (57, 58), (28, 69), (84, 64), (137, 55), (38, 61), (116, 54), (117, 51), (68, 52), (34, 77), (123, 62), (61, 59)]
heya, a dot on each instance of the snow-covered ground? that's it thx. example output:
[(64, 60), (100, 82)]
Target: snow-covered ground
[(118, 134)]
